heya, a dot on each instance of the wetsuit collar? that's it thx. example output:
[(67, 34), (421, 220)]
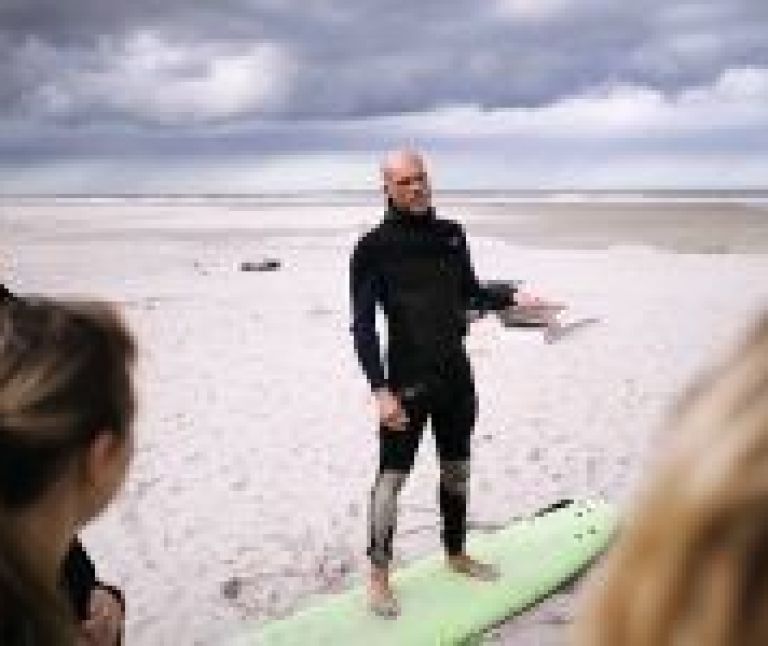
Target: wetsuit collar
[(394, 214)]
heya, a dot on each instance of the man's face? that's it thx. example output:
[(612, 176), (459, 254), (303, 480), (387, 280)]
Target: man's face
[(407, 184)]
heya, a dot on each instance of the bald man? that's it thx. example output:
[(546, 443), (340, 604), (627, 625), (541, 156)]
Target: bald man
[(416, 266)]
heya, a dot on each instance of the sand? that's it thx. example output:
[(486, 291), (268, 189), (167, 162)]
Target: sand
[(255, 439)]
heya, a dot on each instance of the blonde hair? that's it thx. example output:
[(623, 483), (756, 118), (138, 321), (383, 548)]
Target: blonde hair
[(691, 567), (65, 377)]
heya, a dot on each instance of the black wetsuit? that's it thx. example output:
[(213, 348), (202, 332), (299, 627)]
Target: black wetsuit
[(418, 269)]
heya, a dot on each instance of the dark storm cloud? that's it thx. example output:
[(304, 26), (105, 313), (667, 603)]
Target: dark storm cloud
[(67, 60), (92, 88)]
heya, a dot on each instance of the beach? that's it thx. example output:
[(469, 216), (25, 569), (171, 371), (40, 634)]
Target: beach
[(256, 443)]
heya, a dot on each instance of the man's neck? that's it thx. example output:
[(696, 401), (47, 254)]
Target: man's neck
[(395, 212)]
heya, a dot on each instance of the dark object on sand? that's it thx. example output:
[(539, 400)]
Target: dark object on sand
[(5, 294), (231, 588), (269, 264)]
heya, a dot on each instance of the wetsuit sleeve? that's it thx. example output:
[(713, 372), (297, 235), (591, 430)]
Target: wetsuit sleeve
[(365, 290), (477, 296)]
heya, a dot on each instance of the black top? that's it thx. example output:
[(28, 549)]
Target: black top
[(21, 621), (78, 578), (418, 268)]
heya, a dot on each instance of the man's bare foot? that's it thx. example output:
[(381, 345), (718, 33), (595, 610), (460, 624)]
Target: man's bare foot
[(381, 597), (466, 565)]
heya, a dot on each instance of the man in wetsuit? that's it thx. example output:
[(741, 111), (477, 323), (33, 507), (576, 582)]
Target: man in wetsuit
[(416, 266)]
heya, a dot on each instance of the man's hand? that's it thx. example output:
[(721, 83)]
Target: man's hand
[(526, 299), (392, 415), (536, 306), (105, 620), (529, 309)]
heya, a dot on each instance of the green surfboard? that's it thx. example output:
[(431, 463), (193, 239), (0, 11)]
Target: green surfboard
[(536, 556)]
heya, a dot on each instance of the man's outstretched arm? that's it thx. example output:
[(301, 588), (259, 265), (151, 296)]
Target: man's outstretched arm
[(479, 297)]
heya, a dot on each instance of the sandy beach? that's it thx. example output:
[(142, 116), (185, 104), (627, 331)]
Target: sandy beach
[(255, 439)]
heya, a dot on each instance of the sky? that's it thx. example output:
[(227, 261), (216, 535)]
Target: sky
[(273, 95)]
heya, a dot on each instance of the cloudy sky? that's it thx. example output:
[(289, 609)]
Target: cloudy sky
[(269, 95)]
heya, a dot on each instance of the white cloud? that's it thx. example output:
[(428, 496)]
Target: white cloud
[(533, 10), (737, 99), (148, 79), (620, 136)]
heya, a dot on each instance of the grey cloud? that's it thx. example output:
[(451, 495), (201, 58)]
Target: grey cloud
[(355, 59), (154, 84)]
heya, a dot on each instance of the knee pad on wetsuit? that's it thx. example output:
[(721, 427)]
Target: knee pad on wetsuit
[(388, 484), (383, 515), (384, 496)]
